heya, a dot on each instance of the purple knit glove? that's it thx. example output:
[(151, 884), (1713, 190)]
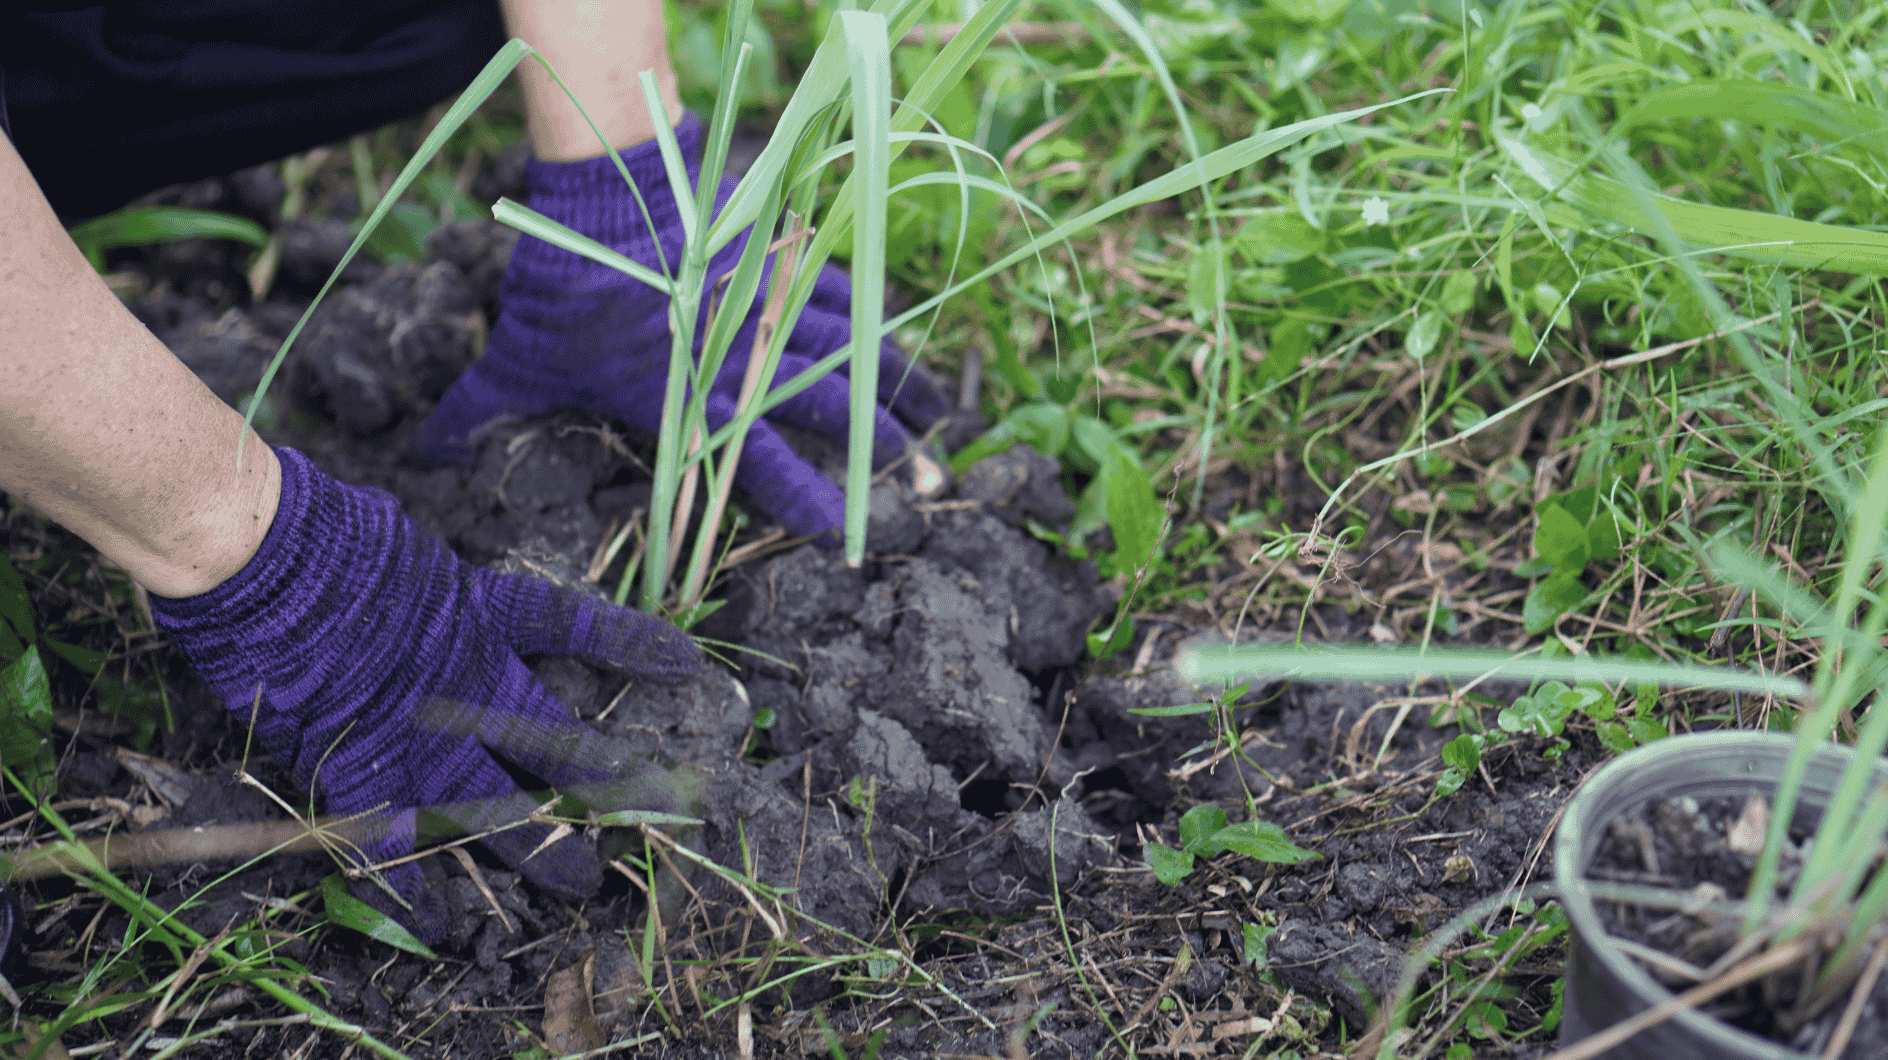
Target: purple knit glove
[(572, 332), (352, 625)]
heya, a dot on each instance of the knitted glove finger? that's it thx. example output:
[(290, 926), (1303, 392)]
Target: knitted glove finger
[(825, 409), (604, 772), (542, 618), (787, 487), (826, 325), (566, 868)]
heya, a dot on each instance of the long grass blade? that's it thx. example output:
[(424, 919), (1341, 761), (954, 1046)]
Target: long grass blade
[(869, 52), (1229, 663), (1223, 336), (1720, 229), (1764, 103), (1226, 160), (477, 92), (535, 224)]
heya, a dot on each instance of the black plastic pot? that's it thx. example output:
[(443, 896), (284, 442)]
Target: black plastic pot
[(1604, 986)]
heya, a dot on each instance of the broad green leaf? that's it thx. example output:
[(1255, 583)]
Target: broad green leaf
[(142, 226), (1615, 737), (1094, 439), (1102, 644), (1046, 428), (1550, 598), (1592, 700), (10, 645), (1719, 229), (1580, 503), (26, 717), (401, 238), (1291, 340), (1170, 866), (1254, 937), (1645, 730), (350, 912), (1767, 104), (1602, 536), (1464, 752), (1278, 237), (1207, 283), (1552, 305), (24, 691), (1458, 293), (1134, 513), (1560, 539), (84, 658), (1198, 826), (1423, 334), (1263, 840)]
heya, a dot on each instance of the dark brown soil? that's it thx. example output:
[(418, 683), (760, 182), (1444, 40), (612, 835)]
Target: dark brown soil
[(947, 775)]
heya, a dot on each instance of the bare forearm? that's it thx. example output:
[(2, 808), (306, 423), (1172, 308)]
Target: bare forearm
[(600, 49), (103, 430)]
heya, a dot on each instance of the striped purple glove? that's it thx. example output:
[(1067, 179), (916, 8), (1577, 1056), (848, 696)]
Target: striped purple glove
[(572, 332), (351, 630)]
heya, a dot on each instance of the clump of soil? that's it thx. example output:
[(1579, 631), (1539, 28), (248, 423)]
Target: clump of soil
[(946, 773)]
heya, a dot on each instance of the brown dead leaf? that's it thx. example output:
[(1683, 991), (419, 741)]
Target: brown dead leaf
[(171, 785), (569, 1025), (1751, 828)]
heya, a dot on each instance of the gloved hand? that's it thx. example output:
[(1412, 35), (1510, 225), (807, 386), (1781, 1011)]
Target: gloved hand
[(571, 332), (350, 628)]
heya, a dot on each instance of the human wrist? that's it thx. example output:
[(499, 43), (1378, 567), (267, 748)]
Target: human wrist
[(219, 534)]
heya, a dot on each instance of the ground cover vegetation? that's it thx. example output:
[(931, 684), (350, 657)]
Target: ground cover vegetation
[(1513, 364)]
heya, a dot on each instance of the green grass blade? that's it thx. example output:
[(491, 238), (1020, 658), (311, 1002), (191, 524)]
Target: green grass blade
[(532, 223), (1839, 121), (1226, 160), (1719, 229), (678, 412), (714, 155), (1228, 663), (143, 226), (1223, 337), (672, 160), (1865, 535), (822, 84), (1839, 687), (925, 94), (870, 56), (477, 92)]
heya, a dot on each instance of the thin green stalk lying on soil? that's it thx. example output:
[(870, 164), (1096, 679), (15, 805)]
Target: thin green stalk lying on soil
[(162, 927)]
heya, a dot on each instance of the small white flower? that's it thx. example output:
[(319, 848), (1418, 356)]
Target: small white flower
[(1376, 211)]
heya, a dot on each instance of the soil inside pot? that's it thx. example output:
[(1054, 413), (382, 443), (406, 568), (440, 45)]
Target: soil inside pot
[(1693, 846)]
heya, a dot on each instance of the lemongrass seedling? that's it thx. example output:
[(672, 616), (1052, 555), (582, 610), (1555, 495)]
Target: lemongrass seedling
[(861, 61)]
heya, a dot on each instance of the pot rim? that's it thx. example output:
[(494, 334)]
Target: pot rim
[(1579, 831)]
